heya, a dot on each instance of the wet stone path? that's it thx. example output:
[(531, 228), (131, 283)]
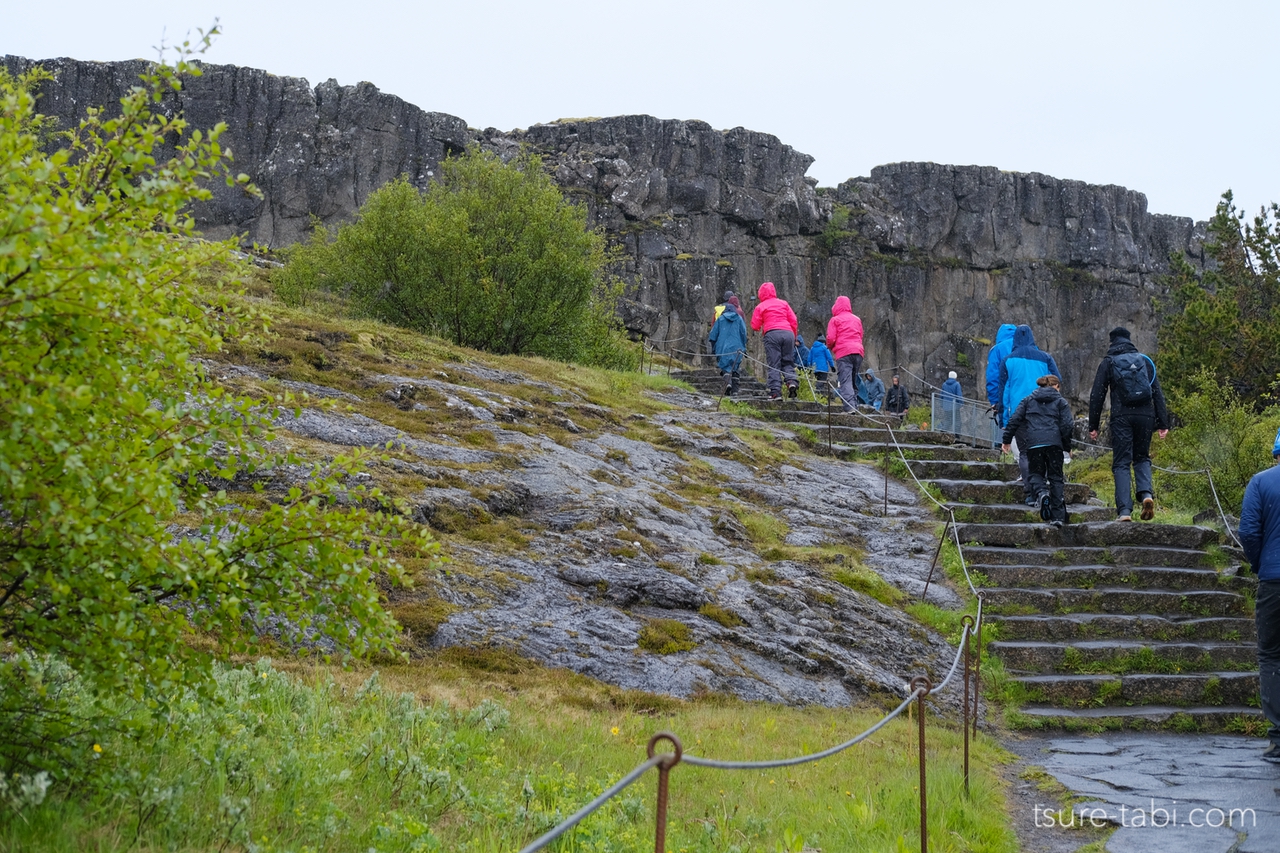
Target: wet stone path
[(1172, 793)]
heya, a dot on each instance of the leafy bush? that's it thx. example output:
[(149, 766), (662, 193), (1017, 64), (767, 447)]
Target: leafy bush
[(110, 432), (1218, 431), (491, 256)]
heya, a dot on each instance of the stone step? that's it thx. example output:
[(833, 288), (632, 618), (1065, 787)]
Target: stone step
[(1121, 555), (999, 492), (1094, 534), (1022, 514), (1101, 691), (1046, 657), (1087, 577), (945, 469), (877, 449), (1195, 718), (1137, 627), (1117, 600)]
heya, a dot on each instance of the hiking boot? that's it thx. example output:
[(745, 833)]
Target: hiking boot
[(1056, 523), (1272, 754), (793, 391), (728, 390), (774, 395), (1125, 518), (1030, 500), (1148, 508), (1044, 507)]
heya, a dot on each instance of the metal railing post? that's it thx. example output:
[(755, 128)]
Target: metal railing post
[(934, 565), (922, 682), (660, 819), (967, 622)]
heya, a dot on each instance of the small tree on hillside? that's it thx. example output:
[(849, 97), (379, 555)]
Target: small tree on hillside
[(110, 432), (1226, 320), (491, 256)]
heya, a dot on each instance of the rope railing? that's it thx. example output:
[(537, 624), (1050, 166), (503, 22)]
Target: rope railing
[(920, 687)]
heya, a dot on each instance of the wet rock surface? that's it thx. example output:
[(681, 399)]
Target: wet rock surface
[(1155, 788), (608, 534)]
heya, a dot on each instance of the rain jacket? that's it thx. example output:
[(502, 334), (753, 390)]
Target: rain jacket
[(802, 352), (772, 312), (820, 358), (951, 389), (1018, 373), (1103, 381), (728, 339), (995, 358), (1043, 419), (897, 400), (844, 330), (872, 389), (1260, 524)]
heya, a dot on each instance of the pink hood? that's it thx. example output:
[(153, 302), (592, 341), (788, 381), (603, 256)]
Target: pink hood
[(772, 312), (844, 331)]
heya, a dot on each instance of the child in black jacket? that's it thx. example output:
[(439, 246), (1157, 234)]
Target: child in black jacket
[(1043, 423)]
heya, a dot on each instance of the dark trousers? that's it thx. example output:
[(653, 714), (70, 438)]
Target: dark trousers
[(1131, 446), (824, 386), (780, 356), (1267, 615), (847, 367), (1045, 474)]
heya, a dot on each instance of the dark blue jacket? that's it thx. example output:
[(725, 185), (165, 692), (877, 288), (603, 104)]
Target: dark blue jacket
[(820, 358), (1018, 373), (1043, 419), (802, 352), (995, 358), (729, 339), (1260, 524)]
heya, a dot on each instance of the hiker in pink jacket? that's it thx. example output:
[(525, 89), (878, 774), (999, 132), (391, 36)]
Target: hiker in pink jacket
[(844, 338), (774, 317)]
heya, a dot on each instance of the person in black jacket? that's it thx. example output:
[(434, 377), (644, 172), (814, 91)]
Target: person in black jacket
[(1135, 414), (1043, 424), (897, 401)]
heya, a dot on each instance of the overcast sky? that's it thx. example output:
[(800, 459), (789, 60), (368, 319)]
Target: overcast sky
[(1174, 99)]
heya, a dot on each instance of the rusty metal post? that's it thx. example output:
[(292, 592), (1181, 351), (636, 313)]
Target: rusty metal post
[(829, 450), (922, 682), (977, 673), (967, 622), (937, 552), (664, 768)]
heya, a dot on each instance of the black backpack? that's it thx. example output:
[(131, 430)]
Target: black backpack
[(1129, 374)]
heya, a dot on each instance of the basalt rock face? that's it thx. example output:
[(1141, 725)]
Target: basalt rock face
[(312, 151), (934, 257)]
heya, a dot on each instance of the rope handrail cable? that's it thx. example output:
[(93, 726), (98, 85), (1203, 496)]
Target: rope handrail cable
[(577, 817)]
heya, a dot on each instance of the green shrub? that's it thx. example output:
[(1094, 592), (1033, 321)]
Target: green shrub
[(490, 255), (109, 427)]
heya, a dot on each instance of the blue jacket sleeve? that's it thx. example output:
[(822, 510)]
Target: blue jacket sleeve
[(993, 377), (1251, 524), (1002, 378), (1053, 366)]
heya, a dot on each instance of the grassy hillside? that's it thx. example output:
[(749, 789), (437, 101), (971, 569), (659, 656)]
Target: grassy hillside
[(479, 749)]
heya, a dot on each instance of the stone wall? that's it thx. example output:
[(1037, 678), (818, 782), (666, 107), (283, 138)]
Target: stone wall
[(934, 257)]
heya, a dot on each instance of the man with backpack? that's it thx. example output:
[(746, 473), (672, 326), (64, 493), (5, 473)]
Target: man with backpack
[(1137, 409)]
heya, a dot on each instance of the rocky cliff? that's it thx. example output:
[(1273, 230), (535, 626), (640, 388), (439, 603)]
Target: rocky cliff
[(934, 257)]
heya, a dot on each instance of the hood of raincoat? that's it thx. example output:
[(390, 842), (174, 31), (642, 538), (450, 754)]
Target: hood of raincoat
[(842, 306), (767, 291), (1023, 337), (1005, 332)]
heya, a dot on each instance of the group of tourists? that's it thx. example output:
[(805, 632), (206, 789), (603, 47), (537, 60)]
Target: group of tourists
[(839, 351), (1024, 388)]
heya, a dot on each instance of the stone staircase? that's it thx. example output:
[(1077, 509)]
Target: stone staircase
[(710, 382), (1098, 624)]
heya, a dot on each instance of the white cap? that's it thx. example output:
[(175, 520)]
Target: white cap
[(951, 375)]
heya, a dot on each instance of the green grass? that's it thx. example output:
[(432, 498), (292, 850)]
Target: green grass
[(422, 757), (666, 637)]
